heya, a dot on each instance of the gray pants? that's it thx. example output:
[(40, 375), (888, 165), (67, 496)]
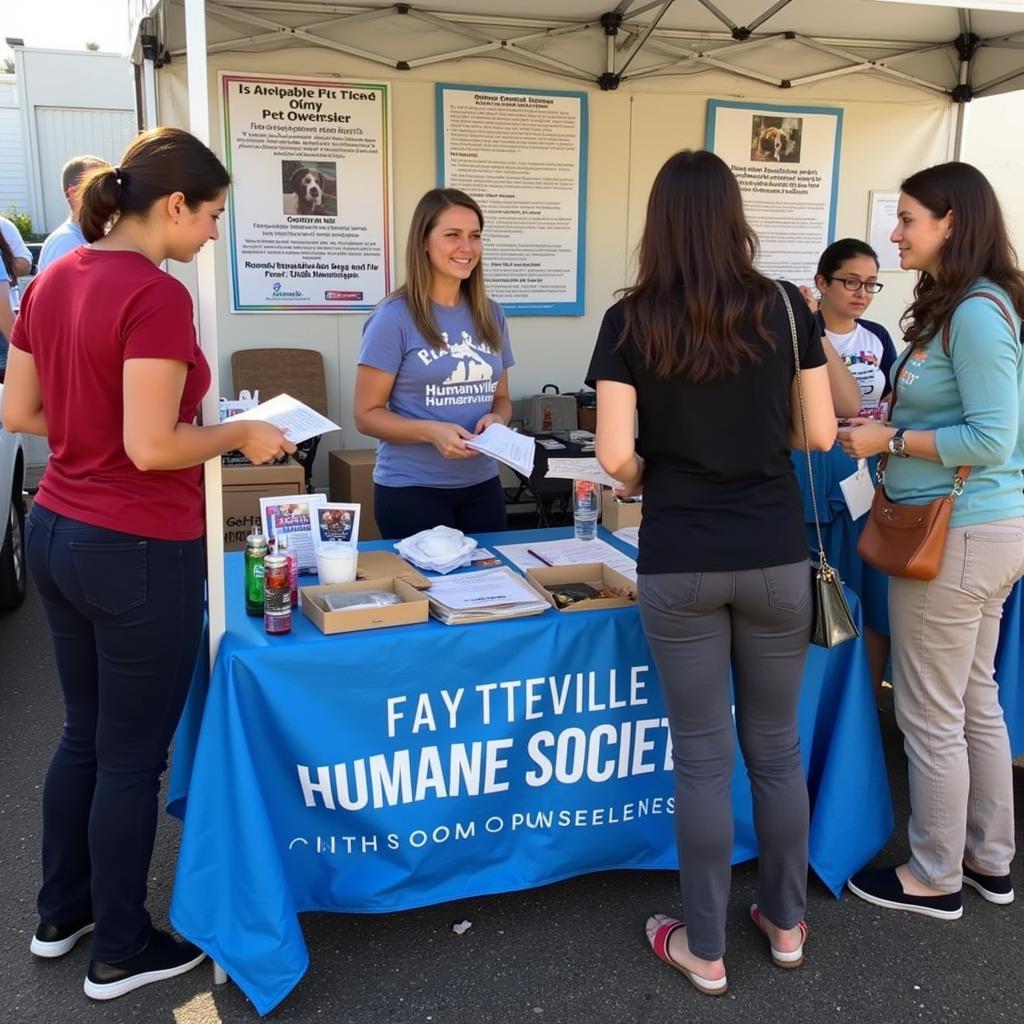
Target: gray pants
[(757, 622), (944, 635)]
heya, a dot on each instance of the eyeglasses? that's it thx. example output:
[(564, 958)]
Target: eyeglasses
[(852, 284)]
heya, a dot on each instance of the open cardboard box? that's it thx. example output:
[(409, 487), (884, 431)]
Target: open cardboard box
[(414, 606), (594, 573), (617, 515)]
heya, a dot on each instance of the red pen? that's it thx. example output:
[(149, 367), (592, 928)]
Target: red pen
[(540, 558)]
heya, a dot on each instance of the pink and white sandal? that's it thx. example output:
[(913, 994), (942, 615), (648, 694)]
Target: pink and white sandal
[(786, 959), (659, 943)]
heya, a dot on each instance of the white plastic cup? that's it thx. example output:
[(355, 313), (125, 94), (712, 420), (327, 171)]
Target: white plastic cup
[(336, 562)]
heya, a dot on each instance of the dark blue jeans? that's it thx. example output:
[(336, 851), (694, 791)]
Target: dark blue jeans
[(126, 615), (402, 511)]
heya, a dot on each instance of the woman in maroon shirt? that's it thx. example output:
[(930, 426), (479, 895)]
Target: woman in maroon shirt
[(104, 362)]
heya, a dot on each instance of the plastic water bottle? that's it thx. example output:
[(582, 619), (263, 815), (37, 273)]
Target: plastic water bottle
[(586, 496)]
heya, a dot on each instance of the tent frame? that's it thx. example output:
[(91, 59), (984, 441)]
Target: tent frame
[(511, 38)]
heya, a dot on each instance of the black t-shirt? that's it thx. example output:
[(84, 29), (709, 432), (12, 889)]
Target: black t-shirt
[(719, 489)]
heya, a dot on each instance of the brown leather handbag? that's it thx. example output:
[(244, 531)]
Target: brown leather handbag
[(909, 540)]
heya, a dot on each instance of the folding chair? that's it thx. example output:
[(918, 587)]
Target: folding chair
[(297, 371)]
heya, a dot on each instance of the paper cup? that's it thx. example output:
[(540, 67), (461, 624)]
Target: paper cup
[(336, 562)]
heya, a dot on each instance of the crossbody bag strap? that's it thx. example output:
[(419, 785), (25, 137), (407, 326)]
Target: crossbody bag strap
[(822, 561)]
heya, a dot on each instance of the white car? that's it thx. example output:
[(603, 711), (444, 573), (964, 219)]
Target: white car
[(13, 574)]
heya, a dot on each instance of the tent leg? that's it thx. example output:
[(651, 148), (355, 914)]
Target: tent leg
[(220, 976)]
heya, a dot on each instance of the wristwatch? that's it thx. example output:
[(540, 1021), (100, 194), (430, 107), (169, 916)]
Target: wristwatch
[(897, 444)]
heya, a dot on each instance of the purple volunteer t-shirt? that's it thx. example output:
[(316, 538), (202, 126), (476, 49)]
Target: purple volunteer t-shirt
[(453, 385)]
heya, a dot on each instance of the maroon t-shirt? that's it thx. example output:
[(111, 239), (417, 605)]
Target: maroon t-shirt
[(80, 321)]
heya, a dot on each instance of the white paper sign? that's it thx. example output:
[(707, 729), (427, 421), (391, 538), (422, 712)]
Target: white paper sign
[(881, 222), (858, 490)]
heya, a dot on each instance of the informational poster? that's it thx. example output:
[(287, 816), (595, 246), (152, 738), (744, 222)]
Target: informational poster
[(310, 211), (881, 224), (521, 154), (786, 160)]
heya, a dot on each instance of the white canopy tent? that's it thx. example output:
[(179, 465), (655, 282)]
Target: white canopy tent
[(894, 52)]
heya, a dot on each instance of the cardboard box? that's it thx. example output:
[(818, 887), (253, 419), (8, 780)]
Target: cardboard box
[(351, 479), (594, 573), (242, 488), (616, 515), (413, 608)]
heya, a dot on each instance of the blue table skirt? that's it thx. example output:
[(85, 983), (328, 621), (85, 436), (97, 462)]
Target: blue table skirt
[(254, 855)]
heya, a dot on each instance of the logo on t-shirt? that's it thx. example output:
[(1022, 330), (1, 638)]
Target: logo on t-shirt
[(470, 377)]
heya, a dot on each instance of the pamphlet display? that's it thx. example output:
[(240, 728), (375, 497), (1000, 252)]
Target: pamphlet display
[(310, 220), (295, 516), (786, 160)]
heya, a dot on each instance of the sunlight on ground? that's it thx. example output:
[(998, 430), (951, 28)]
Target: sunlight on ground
[(199, 1010)]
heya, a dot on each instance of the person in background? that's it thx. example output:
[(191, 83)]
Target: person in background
[(104, 362), (700, 348), (433, 373), (22, 253), (958, 392), (69, 235), (847, 282)]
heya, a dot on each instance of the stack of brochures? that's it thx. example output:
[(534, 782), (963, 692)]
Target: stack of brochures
[(483, 596)]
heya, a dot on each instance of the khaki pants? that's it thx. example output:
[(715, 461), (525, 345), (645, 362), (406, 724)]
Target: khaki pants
[(944, 636)]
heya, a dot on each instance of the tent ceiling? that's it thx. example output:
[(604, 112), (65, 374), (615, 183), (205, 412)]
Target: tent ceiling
[(787, 43)]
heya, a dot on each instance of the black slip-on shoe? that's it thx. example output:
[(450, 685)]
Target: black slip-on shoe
[(164, 957), (994, 888), (882, 888), (51, 940)]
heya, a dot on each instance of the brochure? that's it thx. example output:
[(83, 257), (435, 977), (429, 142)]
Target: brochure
[(295, 516), (336, 521)]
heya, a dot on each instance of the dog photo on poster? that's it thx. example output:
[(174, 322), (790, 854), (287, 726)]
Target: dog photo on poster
[(310, 188)]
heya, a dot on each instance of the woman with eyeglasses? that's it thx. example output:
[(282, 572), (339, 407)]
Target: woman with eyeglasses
[(847, 282)]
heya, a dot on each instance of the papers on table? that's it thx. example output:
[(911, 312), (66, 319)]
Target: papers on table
[(580, 469), (295, 419), (629, 535), (569, 552), (483, 596), (515, 450)]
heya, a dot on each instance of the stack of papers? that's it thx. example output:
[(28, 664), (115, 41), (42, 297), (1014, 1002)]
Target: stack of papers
[(515, 450), (580, 469), (296, 420), (483, 597)]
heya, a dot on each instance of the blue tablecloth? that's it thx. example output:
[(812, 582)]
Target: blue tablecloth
[(475, 760)]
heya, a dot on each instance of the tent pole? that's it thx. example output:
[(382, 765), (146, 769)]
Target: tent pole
[(206, 318)]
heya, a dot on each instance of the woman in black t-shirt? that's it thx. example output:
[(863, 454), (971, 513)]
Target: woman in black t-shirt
[(700, 350)]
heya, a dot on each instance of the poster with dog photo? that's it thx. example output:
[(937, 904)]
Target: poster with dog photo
[(310, 209), (786, 160)]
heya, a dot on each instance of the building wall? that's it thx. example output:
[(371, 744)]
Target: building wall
[(13, 178), (889, 131), (71, 102)]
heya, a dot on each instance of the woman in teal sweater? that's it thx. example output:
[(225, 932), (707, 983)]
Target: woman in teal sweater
[(959, 390)]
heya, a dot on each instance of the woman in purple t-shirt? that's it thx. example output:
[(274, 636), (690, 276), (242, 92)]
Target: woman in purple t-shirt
[(433, 373)]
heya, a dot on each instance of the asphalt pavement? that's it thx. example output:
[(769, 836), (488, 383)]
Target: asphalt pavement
[(566, 953)]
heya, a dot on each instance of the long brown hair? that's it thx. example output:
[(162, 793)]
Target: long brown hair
[(416, 289), (696, 283), (7, 259), (157, 163), (978, 246)]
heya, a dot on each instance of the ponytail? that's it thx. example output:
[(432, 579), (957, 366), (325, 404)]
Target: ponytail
[(159, 162)]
